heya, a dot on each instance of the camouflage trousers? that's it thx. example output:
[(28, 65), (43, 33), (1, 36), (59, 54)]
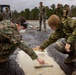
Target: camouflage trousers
[(40, 22), (60, 46), (11, 67)]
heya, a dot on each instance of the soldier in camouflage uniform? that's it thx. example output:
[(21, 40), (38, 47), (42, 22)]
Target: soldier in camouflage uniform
[(7, 14), (65, 29), (42, 16), (10, 40), (59, 11), (66, 10)]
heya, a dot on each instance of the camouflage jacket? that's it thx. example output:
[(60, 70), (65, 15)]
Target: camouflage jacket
[(59, 12), (10, 40), (8, 15), (67, 30), (42, 11)]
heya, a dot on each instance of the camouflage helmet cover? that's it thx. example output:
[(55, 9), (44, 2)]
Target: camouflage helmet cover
[(54, 20)]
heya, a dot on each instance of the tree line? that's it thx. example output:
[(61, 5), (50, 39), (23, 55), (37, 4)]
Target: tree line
[(33, 14)]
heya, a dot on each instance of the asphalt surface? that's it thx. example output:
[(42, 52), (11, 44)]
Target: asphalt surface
[(33, 38)]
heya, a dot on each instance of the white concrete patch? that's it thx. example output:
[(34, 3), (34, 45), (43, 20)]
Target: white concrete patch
[(27, 64)]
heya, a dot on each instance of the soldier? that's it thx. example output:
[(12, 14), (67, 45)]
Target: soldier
[(65, 29), (7, 14), (59, 11), (42, 16), (10, 40), (66, 10)]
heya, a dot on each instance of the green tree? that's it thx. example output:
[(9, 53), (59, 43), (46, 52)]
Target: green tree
[(49, 12), (22, 14), (73, 11), (34, 13), (53, 7), (15, 13), (27, 13)]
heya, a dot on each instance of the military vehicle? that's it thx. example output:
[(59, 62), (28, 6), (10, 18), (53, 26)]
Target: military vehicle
[(3, 6)]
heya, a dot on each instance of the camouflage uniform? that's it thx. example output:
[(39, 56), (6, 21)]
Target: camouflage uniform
[(59, 12), (8, 15), (10, 40), (13, 40), (67, 30), (42, 16)]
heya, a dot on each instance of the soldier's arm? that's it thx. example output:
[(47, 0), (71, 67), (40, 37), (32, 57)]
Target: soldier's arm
[(27, 50), (16, 40), (4, 14), (53, 37), (11, 15), (72, 38), (45, 12), (62, 12)]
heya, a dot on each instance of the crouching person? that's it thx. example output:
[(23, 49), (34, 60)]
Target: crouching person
[(63, 29), (10, 40)]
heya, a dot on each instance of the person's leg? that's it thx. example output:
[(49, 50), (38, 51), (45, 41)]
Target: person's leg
[(60, 46), (74, 73), (40, 23), (72, 54), (44, 22), (10, 67), (15, 68)]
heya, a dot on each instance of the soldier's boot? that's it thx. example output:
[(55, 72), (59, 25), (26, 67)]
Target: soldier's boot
[(74, 73), (70, 58), (40, 27), (44, 26)]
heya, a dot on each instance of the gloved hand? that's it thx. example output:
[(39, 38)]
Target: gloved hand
[(40, 61), (37, 48)]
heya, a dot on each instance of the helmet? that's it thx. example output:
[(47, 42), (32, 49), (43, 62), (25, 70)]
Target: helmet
[(54, 20)]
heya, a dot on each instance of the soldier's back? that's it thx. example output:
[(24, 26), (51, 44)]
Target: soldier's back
[(9, 36)]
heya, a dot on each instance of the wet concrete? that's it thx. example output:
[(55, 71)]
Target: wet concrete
[(32, 37), (28, 65)]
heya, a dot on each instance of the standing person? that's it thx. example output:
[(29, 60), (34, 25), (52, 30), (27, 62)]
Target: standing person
[(66, 10), (42, 16), (67, 30), (7, 14), (59, 11), (10, 40)]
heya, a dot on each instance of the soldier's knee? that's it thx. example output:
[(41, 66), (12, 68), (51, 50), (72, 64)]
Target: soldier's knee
[(60, 46)]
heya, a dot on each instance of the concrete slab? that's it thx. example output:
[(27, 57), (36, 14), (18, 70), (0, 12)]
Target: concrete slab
[(27, 64)]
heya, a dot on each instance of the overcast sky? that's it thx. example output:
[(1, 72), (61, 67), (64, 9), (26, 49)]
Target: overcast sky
[(20, 5)]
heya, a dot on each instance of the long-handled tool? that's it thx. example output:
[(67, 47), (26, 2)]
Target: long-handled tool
[(43, 65)]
